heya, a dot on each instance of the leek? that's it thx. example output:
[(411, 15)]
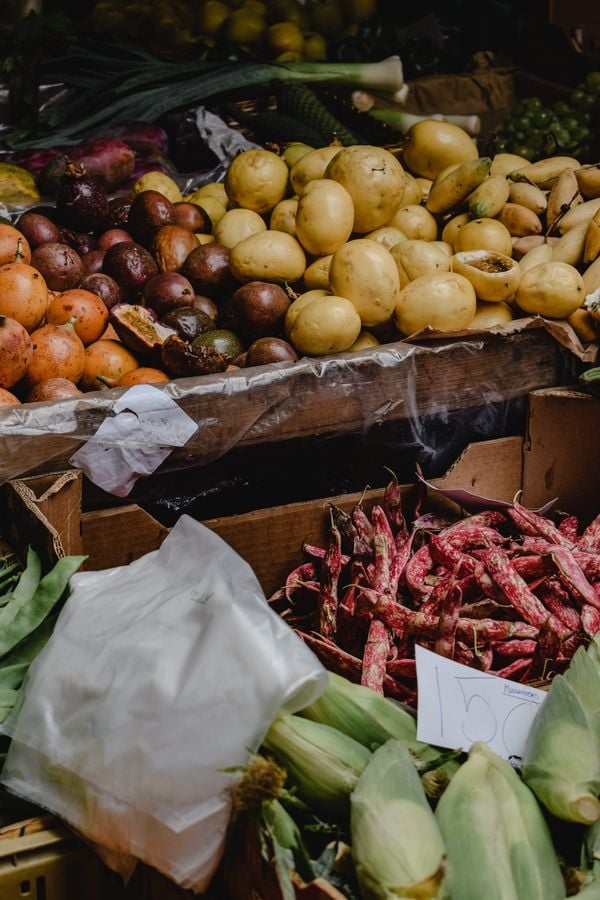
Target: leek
[(402, 121)]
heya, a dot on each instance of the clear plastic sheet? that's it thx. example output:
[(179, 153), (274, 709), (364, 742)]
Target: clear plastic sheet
[(349, 393)]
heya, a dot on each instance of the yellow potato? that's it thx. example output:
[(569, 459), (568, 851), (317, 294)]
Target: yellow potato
[(311, 166), (483, 234), (452, 228), (327, 325), (416, 258), (374, 179), (299, 304), (158, 181), (553, 289), (425, 185), (365, 272), (205, 238), (412, 190), (445, 302), (505, 163), (317, 274), (213, 207), (283, 217), (236, 225), (215, 189), (268, 256), (256, 180), (324, 216), (430, 146), (415, 222), (584, 325), (365, 341), (388, 236), (489, 315)]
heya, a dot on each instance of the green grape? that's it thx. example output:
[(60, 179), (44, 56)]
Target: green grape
[(523, 123), (524, 151), (583, 116), (508, 128), (580, 134), (519, 136), (541, 118), (533, 104), (592, 80), (502, 146), (561, 108), (518, 110), (569, 123), (578, 97), (535, 139)]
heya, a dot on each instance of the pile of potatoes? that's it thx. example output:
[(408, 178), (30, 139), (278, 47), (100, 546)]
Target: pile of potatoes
[(376, 251)]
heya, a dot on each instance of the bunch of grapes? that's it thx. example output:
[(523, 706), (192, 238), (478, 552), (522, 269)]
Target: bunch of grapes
[(571, 128)]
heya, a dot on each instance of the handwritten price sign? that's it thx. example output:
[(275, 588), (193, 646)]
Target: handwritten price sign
[(459, 705)]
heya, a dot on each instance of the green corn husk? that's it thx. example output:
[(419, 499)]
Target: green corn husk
[(499, 846), (361, 713), (397, 845), (561, 763), (323, 763)]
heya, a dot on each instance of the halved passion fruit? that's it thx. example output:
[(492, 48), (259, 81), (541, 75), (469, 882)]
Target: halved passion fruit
[(138, 327), (494, 276)]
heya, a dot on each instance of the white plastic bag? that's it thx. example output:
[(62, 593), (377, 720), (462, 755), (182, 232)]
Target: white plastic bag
[(159, 675)]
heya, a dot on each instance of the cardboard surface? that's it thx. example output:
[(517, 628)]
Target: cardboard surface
[(561, 451), (24, 524)]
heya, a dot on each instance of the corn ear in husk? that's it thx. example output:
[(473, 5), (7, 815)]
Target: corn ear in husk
[(397, 846), (499, 846), (561, 763), (323, 764)]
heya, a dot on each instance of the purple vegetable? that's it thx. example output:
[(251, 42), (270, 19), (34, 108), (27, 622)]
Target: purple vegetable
[(109, 160), (141, 133), (35, 160)]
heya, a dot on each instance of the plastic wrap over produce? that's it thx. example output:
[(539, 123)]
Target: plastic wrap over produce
[(160, 678), (349, 393)]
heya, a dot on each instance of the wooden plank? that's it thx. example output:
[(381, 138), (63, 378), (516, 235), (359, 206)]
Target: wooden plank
[(341, 394)]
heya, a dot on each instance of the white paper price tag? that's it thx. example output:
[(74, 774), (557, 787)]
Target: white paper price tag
[(459, 706)]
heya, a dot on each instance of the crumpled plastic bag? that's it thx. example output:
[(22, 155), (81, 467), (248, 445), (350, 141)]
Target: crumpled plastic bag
[(159, 675)]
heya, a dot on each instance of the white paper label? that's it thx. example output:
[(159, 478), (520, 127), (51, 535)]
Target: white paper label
[(147, 425), (459, 706)]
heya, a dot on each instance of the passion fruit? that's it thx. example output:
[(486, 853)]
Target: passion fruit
[(113, 236), (138, 328), (118, 212), (171, 247), (225, 342), (166, 291), (8, 399), (92, 262), (81, 243), (57, 353), (105, 363), (59, 264), (257, 309), (208, 268), (494, 276), (268, 350), (188, 323), (90, 311), (38, 229), (16, 352), (191, 217), (130, 265), (143, 375), (185, 360), (14, 246), (23, 294), (104, 287), (150, 211), (53, 389)]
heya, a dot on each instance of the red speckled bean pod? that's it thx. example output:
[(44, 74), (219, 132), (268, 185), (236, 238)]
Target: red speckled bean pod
[(402, 668), (557, 601), (431, 522), (569, 528), (415, 572), (487, 609), (448, 622), (538, 546), (399, 562), (589, 563), (375, 657), (484, 658), (543, 527), (319, 553), (522, 524), (590, 539), (328, 594), (515, 589), (474, 536), (344, 524), (532, 567), (590, 619), (299, 578), (489, 518), (518, 670), (392, 505), (548, 648), (384, 548), (437, 597), (515, 649), (464, 655), (572, 575), (569, 646), (363, 525)]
